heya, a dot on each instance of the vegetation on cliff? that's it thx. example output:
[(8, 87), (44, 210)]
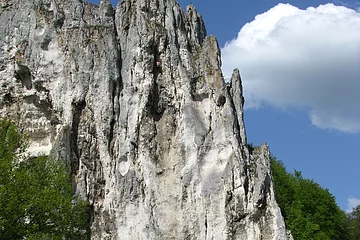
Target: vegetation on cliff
[(309, 210), (353, 223), (36, 194)]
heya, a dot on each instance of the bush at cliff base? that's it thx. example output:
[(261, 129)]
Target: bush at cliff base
[(36, 195)]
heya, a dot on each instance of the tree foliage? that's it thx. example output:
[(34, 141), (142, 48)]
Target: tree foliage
[(310, 211), (36, 195), (353, 223)]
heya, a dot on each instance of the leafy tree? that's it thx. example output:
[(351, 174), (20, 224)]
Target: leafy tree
[(353, 219), (310, 211), (285, 185), (36, 195)]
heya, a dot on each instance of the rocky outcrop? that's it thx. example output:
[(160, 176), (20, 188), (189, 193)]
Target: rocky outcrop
[(134, 99)]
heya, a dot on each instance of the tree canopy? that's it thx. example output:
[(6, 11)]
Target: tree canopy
[(309, 211), (37, 200), (353, 223)]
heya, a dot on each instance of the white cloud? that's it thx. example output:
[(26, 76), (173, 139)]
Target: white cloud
[(310, 59), (352, 203)]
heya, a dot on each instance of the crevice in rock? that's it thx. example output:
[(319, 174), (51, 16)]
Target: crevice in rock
[(155, 106), (137, 138), (23, 74), (117, 89), (77, 109), (234, 214), (45, 42), (221, 101), (91, 213), (117, 84), (175, 27), (7, 99), (42, 105), (265, 189), (111, 135), (39, 87), (206, 226), (198, 97), (59, 19), (236, 126), (246, 180), (228, 198), (210, 123), (184, 195)]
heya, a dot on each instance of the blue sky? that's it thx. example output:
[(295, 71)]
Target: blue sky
[(301, 80)]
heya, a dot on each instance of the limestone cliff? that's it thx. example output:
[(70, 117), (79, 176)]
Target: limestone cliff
[(134, 99)]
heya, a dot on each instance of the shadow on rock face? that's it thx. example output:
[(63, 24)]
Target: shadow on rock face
[(22, 73)]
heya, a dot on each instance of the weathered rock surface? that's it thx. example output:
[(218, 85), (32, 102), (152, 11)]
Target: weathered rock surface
[(134, 99)]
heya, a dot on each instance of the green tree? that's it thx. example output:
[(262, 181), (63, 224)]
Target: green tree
[(285, 185), (36, 195), (310, 211), (353, 224)]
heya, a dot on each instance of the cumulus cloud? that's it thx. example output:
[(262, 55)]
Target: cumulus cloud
[(309, 59), (352, 203)]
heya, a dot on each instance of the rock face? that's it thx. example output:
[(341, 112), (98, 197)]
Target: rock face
[(134, 99)]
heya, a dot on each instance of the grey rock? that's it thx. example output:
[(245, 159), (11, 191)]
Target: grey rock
[(134, 99)]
